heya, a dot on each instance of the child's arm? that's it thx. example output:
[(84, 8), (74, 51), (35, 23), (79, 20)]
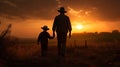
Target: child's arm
[(51, 37)]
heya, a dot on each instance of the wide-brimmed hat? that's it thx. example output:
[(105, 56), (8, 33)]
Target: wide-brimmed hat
[(62, 10), (45, 27)]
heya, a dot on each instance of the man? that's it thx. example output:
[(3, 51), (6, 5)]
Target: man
[(62, 26)]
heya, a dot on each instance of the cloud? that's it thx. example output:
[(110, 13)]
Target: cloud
[(59, 3), (78, 13), (105, 10), (9, 3), (42, 9)]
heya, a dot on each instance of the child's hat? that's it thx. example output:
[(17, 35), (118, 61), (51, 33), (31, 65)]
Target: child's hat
[(45, 27)]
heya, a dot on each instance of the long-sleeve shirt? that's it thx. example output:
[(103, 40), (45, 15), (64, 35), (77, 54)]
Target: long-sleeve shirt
[(43, 37), (62, 24)]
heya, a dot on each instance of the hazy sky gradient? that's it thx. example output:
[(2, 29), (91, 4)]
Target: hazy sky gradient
[(30, 15)]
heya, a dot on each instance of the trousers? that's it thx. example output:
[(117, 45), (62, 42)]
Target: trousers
[(61, 41)]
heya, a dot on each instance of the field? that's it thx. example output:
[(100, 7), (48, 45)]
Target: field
[(79, 53)]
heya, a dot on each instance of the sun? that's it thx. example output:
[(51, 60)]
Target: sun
[(79, 27)]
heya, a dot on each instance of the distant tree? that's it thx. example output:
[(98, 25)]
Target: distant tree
[(116, 35), (5, 32), (115, 31), (96, 32)]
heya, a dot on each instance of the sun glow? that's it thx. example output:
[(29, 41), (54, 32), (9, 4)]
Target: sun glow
[(79, 27)]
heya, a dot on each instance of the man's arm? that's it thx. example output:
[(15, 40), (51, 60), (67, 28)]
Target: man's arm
[(69, 27), (54, 24), (69, 34)]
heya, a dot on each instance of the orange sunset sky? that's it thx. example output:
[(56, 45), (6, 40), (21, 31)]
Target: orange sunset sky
[(28, 16)]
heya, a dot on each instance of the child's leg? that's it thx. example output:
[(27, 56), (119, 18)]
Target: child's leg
[(44, 49)]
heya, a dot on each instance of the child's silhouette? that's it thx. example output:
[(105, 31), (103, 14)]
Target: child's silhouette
[(43, 40)]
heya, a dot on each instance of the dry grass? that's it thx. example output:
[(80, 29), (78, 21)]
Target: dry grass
[(105, 54)]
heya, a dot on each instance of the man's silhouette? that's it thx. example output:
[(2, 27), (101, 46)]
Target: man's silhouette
[(62, 26)]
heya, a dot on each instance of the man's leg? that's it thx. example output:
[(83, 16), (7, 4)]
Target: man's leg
[(42, 51), (59, 47), (63, 47), (61, 43), (64, 38)]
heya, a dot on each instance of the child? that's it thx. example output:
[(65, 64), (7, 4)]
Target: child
[(43, 40)]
